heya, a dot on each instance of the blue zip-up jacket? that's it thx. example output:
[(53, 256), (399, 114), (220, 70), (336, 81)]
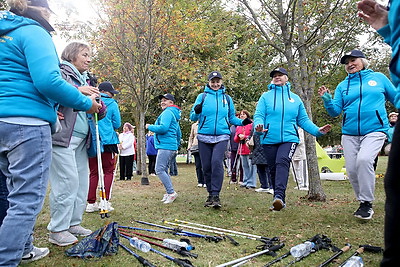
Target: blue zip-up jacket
[(218, 112), (281, 112), (111, 122), (361, 97), (150, 148), (391, 35), (166, 129), (30, 77)]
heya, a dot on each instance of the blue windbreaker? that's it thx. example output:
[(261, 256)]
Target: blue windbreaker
[(218, 112), (30, 77), (166, 129), (281, 111), (361, 97), (111, 122), (391, 34)]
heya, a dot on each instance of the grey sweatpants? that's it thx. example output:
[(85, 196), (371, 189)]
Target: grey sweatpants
[(360, 153)]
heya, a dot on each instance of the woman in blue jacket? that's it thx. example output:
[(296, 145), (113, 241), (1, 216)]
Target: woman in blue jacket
[(167, 139), (361, 97), (30, 86), (278, 114), (215, 112), (387, 23)]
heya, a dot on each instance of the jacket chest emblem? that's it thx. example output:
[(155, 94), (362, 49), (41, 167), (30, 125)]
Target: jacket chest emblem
[(372, 83)]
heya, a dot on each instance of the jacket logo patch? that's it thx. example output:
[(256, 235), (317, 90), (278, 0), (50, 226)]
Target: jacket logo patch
[(372, 83), (291, 100)]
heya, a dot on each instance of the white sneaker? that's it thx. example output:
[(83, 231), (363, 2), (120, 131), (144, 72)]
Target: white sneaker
[(170, 198), (270, 191), (109, 207), (92, 207), (63, 238), (164, 197), (262, 190), (204, 185), (79, 230), (35, 254), (199, 185)]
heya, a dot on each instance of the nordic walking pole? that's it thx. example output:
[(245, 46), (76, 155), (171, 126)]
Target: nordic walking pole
[(295, 176), (216, 239), (271, 249), (102, 191), (262, 239), (287, 254), (337, 254), (142, 260), (221, 229)]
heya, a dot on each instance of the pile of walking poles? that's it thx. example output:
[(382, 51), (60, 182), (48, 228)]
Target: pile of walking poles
[(182, 246)]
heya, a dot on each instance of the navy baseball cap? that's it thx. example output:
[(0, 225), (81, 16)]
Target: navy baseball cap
[(352, 53), (214, 74), (41, 3), (280, 70), (167, 96), (108, 87)]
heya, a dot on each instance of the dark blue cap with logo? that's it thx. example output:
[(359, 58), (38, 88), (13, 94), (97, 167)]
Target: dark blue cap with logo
[(108, 87), (352, 53), (214, 74), (167, 96), (280, 70)]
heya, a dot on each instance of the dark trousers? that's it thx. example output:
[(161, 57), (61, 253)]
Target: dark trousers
[(173, 166), (278, 159), (108, 163), (263, 176), (212, 157), (3, 197), (199, 169), (235, 161), (125, 167), (152, 163), (391, 256)]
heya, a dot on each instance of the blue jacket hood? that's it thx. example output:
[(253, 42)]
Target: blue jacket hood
[(10, 22)]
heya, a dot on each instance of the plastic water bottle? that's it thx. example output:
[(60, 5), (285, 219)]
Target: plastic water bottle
[(302, 250), (139, 244), (176, 245), (354, 261)]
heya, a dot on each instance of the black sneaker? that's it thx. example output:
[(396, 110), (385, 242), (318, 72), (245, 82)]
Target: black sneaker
[(209, 201), (365, 211), (216, 203)]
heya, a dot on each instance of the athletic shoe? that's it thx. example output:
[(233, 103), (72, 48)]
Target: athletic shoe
[(78, 230), (171, 198), (216, 203), (209, 201), (365, 211), (92, 207), (204, 185), (262, 190), (164, 197), (35, 254), (63, 238), (250, 187), (277, 205), (109, 207), (232, 182), (270, 191), (153, 174), (199, 185)]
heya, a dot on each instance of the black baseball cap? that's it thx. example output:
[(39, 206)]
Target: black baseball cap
[(214, 74), (167, 96), (41, 3), (280, 70), (108, 87), (352, 53)]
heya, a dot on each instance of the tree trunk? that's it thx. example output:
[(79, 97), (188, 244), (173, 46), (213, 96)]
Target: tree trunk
[(142, 149)]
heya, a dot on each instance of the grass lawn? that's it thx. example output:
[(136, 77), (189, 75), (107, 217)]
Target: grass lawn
[(243, 210)]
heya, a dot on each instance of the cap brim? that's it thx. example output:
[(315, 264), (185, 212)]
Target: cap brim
[(114, 92), (275, 71)]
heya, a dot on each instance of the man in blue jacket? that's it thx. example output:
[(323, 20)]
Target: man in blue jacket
[(167, 138)]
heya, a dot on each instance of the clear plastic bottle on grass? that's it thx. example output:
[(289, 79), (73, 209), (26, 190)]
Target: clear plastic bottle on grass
[(302, 250), (354, 261), (139, 244), (176, 244)]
